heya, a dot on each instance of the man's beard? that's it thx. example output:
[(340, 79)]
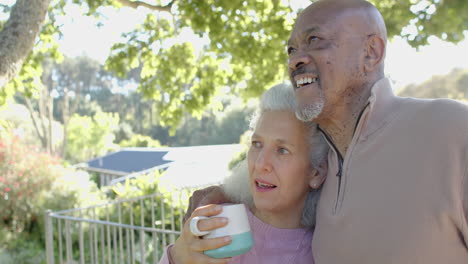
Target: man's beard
[(310, 111)]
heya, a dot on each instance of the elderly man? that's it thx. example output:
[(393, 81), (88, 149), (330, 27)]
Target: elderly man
[(397, 188), (397, 184)]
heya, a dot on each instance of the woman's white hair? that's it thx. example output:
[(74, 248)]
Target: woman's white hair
[(236, 186)]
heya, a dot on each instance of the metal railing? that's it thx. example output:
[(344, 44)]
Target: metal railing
[(135, 231)]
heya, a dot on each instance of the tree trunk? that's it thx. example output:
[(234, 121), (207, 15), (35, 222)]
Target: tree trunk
[(43, 116), (50, 113), (65, 117), (18, 36), (151, 113), (68, 112)]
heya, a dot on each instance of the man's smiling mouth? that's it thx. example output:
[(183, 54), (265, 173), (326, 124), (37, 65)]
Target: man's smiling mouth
[(305, 80)]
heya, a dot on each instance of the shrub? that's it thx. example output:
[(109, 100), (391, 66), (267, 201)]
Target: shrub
[(25, 174), (30, 183)]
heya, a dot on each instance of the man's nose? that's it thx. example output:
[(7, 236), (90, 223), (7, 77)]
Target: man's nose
[(298, 59)]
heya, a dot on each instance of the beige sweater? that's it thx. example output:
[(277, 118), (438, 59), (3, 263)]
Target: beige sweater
[(403, 192)]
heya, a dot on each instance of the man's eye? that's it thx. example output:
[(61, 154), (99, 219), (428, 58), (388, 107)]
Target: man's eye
[(312, 39), (291, 50)]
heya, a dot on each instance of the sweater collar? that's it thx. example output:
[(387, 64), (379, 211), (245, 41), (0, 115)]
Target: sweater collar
[(378, 112), (382, 106)]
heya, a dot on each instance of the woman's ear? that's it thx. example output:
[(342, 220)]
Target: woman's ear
[(316, 179), (318, 175)]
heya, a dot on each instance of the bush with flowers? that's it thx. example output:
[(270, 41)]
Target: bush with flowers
[(31, 182), (25, 174)]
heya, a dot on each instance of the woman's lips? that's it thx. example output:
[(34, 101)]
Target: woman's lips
[(263, 186)]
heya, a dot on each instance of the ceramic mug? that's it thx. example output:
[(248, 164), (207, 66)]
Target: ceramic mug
[(238, 228)]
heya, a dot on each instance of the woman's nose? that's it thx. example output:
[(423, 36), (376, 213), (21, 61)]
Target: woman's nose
[(263, 162)]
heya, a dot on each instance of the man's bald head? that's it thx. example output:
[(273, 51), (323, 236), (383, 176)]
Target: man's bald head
[(367, 20), (339, 45), (371, 17)]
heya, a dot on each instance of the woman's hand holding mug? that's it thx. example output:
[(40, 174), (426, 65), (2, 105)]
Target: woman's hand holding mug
[(189, 248)]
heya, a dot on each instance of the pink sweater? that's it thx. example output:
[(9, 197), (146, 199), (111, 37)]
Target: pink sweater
[(273, 245)]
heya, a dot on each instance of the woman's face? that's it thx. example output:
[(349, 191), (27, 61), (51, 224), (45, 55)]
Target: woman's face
[(278, 161)]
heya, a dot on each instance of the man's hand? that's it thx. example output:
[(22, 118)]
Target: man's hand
[(209, 195)]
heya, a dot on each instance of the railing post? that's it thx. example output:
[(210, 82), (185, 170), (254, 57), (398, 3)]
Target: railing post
[(49, 228)]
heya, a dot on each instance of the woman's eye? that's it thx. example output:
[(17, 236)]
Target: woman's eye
[(291, 50), (283, 151), (256, 144)]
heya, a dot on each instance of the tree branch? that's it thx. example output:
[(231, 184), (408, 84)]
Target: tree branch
[(136, 4), (18, 36), (33, 118)]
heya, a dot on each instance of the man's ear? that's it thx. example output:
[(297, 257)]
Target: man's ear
[(375, 53)]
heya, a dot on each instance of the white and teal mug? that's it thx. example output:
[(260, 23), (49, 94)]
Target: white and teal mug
[(238, 228)]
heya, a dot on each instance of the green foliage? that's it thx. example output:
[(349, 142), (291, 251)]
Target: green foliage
[(182, 81), (91, 136), (23, 250), (136, 187), (213, 128), (453, 85), (140, 141)]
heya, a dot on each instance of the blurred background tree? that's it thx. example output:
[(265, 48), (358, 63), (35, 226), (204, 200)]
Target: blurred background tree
[(453, 85)]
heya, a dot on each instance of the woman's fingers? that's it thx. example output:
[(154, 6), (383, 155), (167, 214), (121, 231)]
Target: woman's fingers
[(201, 245), (211, 223), (207, 210), (210, 243), (191, 251)]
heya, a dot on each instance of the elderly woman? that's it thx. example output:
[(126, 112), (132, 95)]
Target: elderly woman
[(279, 182)]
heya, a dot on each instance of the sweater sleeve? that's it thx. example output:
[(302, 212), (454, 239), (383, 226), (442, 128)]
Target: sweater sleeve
[(166, 257)]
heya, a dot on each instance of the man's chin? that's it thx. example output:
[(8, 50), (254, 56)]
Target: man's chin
[(309, 112)]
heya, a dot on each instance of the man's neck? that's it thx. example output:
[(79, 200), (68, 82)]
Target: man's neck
[(341, 121)]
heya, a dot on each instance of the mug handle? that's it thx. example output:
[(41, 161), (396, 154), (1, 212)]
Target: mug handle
[(194, 226)]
